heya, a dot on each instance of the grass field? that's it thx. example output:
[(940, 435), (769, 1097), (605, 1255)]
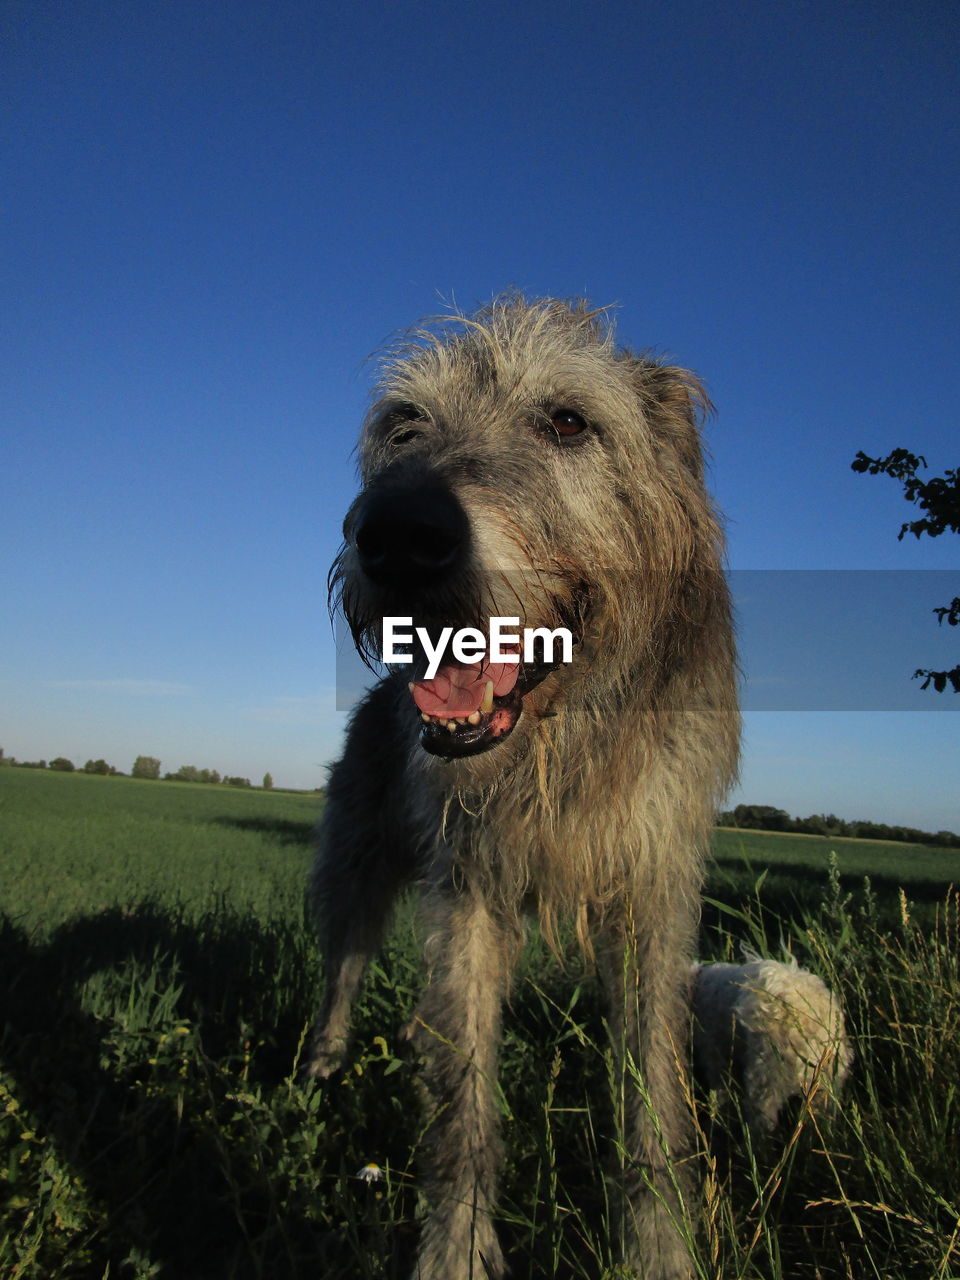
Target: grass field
[(884, 861), (157, 977)]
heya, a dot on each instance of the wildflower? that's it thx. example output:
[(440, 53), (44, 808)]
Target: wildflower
[(370, 1173)]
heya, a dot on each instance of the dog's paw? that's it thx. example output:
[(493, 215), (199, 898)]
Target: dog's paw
[(326, 1059)]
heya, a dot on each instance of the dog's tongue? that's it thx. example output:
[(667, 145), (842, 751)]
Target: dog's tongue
[(458, 691)]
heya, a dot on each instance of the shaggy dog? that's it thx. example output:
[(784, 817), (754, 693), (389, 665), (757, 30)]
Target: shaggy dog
[(518, 464), (773, 1030)]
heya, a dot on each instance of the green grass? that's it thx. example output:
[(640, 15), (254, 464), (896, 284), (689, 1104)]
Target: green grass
[(75, 843), (157, 978), (884, 861)]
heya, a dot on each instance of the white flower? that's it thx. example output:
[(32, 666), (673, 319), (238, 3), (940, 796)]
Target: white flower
[(370, 1173)]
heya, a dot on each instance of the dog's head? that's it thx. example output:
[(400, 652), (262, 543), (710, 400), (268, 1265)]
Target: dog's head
[(518, 465)]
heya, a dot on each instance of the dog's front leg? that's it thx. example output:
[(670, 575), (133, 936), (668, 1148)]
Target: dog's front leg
[(365, 858), (457, 1030), (352, 903), (647, 988)]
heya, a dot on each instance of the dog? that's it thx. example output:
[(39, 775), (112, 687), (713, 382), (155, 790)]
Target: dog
[(517, 464), (766, 1032)]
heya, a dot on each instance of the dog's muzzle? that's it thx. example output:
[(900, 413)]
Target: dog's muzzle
[(412, 540)]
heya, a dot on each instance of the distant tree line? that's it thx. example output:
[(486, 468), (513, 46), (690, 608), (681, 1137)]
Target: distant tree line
[(61, 765), (149, 767), (763, 817), (143, 767)]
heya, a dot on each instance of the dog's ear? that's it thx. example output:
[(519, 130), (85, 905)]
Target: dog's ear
[(676, 403)]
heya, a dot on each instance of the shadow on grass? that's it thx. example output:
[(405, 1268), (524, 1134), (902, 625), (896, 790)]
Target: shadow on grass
[(283, 830), (145, 1139)]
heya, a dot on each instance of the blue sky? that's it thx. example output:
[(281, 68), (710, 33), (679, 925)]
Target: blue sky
[(214, 214)]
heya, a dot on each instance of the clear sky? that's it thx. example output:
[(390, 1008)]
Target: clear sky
[(213, 214)]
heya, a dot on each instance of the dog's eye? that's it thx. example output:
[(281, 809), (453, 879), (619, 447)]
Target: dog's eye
[(402, 423), (567, 424), (403, 437)]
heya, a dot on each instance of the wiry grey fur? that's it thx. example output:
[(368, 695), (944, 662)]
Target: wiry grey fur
[(772, 1030), (597, 807)]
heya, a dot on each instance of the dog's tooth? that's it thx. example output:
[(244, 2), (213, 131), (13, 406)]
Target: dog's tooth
[(451, 725), (486, 706), (474, 718), (425, 718)]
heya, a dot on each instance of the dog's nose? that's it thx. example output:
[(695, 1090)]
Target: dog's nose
[(414, 533)]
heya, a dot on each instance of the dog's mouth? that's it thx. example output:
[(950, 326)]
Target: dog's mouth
[(467, 709)]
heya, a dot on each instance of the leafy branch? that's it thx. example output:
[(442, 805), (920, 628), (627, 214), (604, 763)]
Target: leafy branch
[(939, 498)]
